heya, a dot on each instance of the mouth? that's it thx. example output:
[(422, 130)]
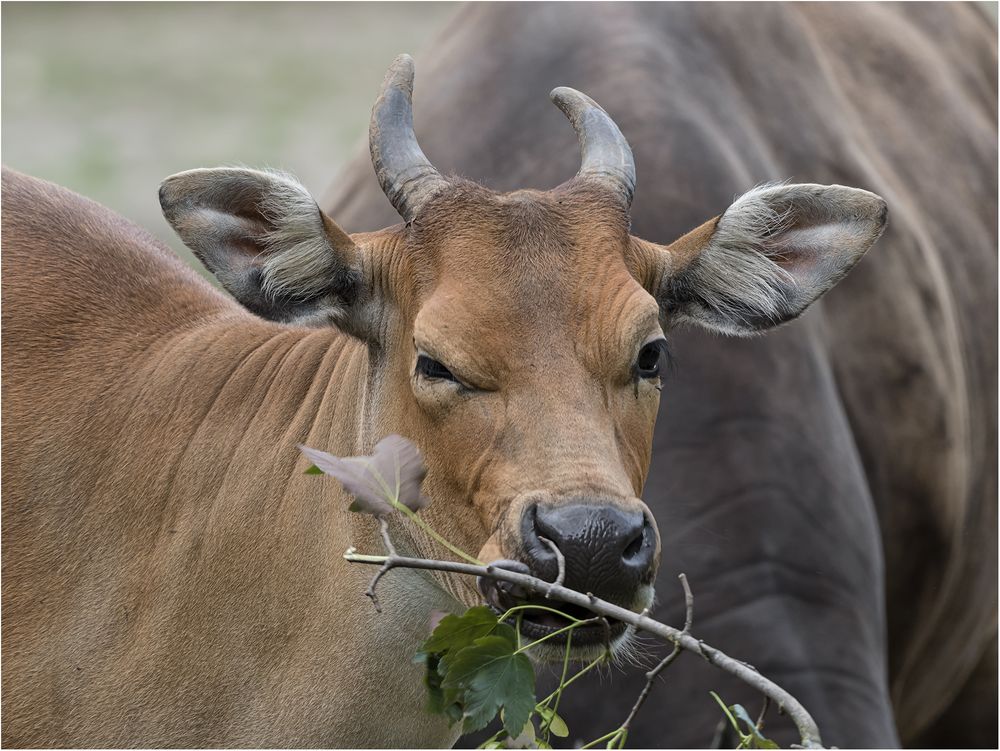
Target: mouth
[(536, 623), (539, 619)]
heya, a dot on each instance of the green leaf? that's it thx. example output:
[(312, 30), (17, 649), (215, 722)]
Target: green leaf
[(524, 739), (725, 711), (456, 632), (556, 723), (489, 675), (740, 712), (759, 741), (497, 740), (314, 470), (437, 702)]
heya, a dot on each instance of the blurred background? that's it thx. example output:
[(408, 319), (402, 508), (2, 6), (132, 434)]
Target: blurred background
[(109, 98)]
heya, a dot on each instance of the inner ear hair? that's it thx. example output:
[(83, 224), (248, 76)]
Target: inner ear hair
[(266, 241), (774, 251), (296, 243), (731, 276)]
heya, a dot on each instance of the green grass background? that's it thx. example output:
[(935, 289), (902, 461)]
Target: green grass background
[(110, 98)]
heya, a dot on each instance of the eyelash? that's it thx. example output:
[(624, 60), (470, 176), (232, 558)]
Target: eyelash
[(432, 369)]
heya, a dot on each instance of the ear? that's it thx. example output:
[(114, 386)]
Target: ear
[(771, 254), (267, 242)]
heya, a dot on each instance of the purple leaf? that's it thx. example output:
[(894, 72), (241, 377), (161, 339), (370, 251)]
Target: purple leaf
[(393, 472)]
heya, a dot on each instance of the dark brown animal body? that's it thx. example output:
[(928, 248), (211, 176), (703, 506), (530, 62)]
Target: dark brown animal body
[(830, 490)]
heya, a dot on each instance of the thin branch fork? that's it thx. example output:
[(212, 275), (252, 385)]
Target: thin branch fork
[(560, 560), (806, 725), (666, 661), (383, 525)]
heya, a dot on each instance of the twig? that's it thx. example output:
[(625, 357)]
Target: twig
[(560, 559), (383, 525), (666, 661), (804, 722), (688, 603), (607, 635), (763, 711)]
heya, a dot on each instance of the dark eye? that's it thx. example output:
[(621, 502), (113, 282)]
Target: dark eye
[(430, 368), (650, 356)]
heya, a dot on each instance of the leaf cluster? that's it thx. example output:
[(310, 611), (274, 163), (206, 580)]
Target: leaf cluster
[(474, 669)]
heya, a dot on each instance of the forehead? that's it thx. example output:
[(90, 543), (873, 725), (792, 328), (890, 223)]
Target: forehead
[(530, 262), (523, 242)]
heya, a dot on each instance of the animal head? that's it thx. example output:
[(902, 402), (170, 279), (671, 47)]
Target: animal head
[(518, 338)]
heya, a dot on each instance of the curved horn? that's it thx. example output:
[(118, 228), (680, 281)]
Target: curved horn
[(605, 154), (407, 177)]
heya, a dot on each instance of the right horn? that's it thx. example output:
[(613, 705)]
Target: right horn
[(605, 154), (407, 177)]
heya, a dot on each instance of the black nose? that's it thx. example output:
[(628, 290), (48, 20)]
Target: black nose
[(609, 551)]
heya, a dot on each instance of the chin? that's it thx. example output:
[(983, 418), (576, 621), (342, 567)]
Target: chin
[(553, 651)]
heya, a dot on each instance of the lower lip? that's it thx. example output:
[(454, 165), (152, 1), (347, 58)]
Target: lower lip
[(542, 624)]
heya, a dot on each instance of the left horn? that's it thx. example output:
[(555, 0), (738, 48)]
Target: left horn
[(605, 154), (407, 177)]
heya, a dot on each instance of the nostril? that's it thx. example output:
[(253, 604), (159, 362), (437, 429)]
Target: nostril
[(537, 554), (545, 524), (634, 548), (531, 517), (639, 551)]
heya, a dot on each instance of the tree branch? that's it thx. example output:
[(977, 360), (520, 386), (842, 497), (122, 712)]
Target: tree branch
[(808, 731)]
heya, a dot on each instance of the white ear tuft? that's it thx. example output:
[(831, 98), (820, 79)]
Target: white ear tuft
[(773, 252), (298, 263), (266, 241)]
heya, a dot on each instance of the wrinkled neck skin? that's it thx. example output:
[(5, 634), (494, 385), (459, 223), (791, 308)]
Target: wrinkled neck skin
[(274, 538), (206, 574), (344, 410), (171, 577)]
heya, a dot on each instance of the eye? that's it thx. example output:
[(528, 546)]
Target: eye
[(430, 368), (647, 365)]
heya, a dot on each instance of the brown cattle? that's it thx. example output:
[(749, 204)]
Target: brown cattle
[(170, 577)]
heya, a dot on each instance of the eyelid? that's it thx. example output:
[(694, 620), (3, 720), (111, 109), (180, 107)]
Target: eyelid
[(427, 355), (459, 381), (421, 352)]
